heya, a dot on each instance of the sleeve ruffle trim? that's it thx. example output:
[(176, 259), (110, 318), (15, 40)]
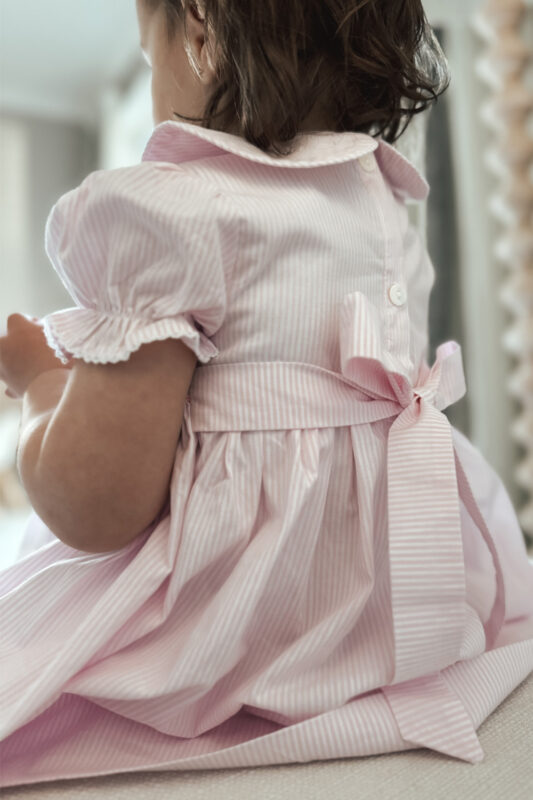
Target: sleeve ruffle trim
[(100, 338)]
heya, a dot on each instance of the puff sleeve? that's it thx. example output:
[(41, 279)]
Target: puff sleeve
[(140, 252)]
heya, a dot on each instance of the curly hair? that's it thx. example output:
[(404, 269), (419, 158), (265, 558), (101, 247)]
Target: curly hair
[(371, 64)]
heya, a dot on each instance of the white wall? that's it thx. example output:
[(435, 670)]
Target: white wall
[(39, 161)]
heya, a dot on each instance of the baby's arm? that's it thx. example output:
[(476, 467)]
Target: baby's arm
[(97, 444)]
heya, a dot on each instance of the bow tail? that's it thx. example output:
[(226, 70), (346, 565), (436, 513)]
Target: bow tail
[(427, 571), (428, 586), (429, 714)]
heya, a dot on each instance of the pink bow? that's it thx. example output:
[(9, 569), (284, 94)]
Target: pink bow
[(427, 570)]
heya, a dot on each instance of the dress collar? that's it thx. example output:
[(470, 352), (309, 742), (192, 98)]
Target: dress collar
[(179, 142)]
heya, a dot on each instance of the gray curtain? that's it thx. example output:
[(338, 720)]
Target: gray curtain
[(445, 318)]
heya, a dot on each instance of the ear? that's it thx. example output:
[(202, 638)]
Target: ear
[(195, 22), (198, 10), (195, 12)]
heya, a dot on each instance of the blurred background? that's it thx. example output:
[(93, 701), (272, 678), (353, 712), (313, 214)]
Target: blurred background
[(75, 97)]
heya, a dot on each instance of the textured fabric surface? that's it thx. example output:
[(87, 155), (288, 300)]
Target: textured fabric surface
[(338, 571), (507, 771)]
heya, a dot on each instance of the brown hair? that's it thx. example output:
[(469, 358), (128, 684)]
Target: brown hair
[(367, 63)]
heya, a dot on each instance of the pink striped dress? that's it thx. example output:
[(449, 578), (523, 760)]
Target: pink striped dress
[(338, 571)]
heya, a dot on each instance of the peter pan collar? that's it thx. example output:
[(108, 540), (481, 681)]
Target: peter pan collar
[(179, 142)]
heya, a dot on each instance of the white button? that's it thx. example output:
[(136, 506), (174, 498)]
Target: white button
[(368, 162), (397, 294)]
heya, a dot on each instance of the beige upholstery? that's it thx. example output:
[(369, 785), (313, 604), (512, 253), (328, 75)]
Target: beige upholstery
[(506, 773)]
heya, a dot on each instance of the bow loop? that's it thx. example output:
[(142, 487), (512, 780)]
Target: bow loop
[(365, 361), (368, 364), (444, 384)]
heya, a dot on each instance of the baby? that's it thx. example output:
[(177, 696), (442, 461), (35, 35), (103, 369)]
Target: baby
[(71, 415), (260, 538)]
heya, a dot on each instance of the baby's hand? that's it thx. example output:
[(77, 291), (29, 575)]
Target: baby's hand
[(24, 354)]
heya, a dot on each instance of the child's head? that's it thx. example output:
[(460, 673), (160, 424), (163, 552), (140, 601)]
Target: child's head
[(270, 69)]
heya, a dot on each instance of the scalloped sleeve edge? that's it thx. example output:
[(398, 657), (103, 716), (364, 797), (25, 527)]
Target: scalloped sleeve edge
[(101, 338)]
